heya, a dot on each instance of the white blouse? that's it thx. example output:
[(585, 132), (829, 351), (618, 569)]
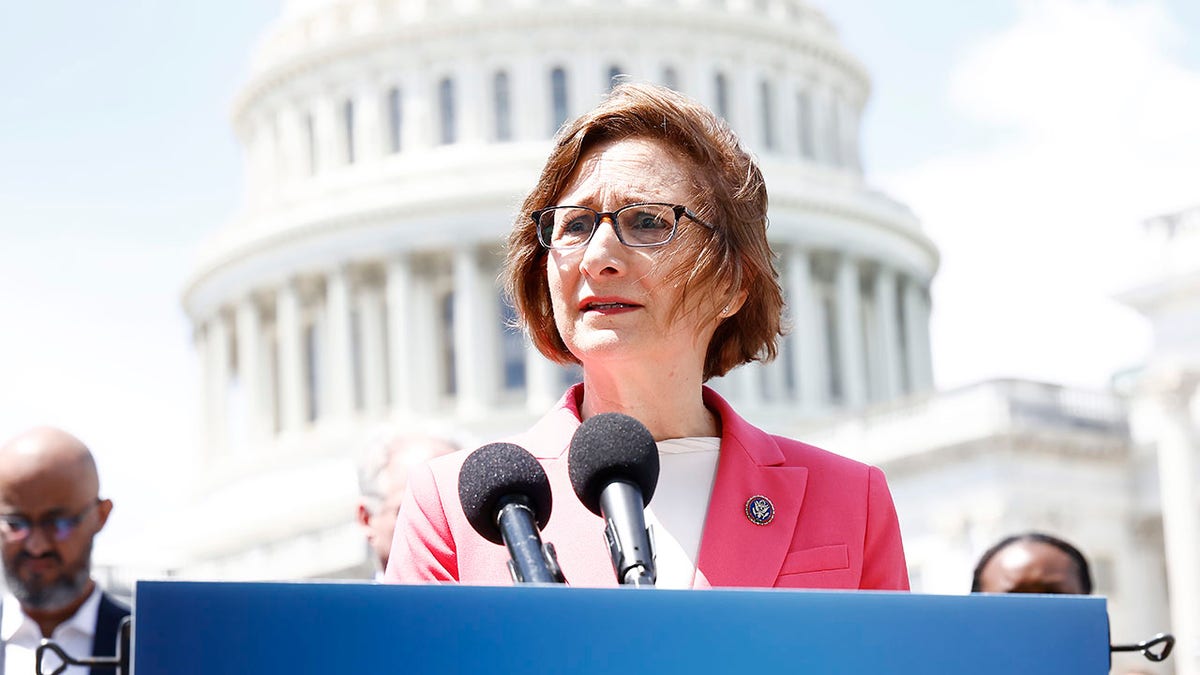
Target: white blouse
[(688, 467)]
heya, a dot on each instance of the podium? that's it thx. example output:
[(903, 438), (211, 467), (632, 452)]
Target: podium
[(211, 628)]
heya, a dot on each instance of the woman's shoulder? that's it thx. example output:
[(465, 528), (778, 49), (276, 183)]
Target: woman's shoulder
[(799, 453)]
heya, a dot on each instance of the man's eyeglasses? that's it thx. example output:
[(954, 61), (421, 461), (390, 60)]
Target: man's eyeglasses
[(15, 527), (564, 228)]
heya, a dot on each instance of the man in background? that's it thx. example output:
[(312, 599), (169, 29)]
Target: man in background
[(383, 476), (1032, 563), (50, 511)]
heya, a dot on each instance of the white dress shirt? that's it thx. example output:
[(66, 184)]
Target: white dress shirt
[(21, 636), (687, 469)]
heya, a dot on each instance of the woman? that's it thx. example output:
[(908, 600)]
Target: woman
[(642, 255)]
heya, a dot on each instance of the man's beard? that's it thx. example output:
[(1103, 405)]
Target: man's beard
[(57, 594)]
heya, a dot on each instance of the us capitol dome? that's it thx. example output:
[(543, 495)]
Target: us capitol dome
[(388, 144)]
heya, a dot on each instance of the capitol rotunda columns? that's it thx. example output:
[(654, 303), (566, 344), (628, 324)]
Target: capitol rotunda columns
[(850, 335), (916, 331), (476, 320), (373, 365), (217, 376), (250, 368), (887, 376), (339, 358), (543, 381), (398, 289), (289, 336), (808, 332)]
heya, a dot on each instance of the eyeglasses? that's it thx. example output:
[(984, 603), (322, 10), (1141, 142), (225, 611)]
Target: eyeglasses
[(641, 225), (15, 527)]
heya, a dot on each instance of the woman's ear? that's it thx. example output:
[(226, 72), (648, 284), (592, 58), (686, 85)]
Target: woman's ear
[(734, 304)]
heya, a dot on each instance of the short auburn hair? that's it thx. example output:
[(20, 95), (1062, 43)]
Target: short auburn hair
[(731, 196)]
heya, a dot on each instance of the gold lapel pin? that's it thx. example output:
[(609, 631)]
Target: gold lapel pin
[(760, 510)]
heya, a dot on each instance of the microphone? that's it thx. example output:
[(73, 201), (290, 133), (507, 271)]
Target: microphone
[(613, 465), (505, 495)]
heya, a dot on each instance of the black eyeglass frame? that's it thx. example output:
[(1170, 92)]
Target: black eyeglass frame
[(15, 527), (679, 210)]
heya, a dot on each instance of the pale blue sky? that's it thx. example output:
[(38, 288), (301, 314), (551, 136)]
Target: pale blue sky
[(1030, 137)]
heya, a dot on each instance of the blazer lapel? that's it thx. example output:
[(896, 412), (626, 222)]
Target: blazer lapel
[(734, 551)]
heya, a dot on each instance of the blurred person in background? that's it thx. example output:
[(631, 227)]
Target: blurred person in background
[(1032, 562), (50, 511), (382, 478)]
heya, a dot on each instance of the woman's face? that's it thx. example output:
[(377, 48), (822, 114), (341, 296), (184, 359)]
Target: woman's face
[(610, 301)]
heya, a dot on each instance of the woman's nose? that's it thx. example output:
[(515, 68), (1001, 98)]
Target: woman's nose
[(604, 254)]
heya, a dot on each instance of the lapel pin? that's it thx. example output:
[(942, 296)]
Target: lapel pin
[(760, 510)]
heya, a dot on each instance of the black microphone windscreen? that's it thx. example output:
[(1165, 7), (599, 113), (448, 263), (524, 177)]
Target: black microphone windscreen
[(608, 447), (496, 471)]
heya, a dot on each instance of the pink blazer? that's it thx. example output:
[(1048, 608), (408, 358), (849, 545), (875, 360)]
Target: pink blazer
[(835, 526)]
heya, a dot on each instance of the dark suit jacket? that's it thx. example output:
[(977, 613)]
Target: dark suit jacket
[(108, 623)]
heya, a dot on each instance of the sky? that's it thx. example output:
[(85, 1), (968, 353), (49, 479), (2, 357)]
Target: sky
[(1031, 138)]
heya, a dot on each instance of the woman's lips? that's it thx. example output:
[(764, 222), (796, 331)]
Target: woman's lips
[(608, 306)]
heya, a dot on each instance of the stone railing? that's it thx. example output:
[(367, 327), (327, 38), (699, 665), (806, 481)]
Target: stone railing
[(910, 426)]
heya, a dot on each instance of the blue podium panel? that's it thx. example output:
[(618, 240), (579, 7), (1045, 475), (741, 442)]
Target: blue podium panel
[(188, 627)]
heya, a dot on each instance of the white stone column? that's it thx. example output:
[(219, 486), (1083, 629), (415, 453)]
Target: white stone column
[(916, 324), (746, 382), (824, 349), (916, 337), (325, 127), (744, 103), (473, 105), (587, 80), (821, 123), (339, 357), (834, 125), (428, 344), (401, 348), (476, 318), (371, 129), (293, 157), (529, 100), (256, 171), (698, 79), (543, 384), (419, 111), (774, 381), (886, 320), (766, 109), (200, 343), (850, 336), (289, 336), (787, 138), (591, 72), (250, 358), (374, 360), (218, 372), (808, 332), (852, 124), (924, 300), (1177, 465)]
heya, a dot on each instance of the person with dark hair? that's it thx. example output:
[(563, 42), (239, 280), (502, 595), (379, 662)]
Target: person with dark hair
[(50, 511), (1032, 562), (641, 255)]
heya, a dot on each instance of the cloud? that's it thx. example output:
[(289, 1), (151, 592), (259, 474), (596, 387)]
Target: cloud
[(1039, 228)]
